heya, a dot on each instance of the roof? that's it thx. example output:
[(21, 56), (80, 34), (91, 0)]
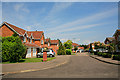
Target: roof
[(118, 30), (47, 40), (54, 41), (17, 29), (35, 34), (75, 44), (31, 45), (80, 47), (110, 38)]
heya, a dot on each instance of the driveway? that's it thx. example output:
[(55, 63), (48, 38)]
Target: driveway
[(79, 66)]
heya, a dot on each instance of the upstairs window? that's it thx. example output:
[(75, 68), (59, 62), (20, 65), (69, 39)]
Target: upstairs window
[(48, 44), (24, 39), (41, 41), (30, 40)]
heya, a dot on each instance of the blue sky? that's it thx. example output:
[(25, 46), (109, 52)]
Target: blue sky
[(81, 22)]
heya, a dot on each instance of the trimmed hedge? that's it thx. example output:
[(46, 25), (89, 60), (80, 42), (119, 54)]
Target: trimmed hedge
[(68, 51), (116, 57)]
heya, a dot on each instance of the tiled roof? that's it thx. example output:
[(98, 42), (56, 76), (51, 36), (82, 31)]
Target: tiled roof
[(47, 40), (75, 44), (54, 41), (110, 38), (36, 34), (17, 29), (80, 47), (31, 45)]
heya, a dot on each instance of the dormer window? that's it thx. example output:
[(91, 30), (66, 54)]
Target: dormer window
[(48, 44), (24, 39), (41, 41), (30, 40)]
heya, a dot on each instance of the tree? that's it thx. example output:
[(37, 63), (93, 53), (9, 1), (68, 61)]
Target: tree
[(68, 44), (12, 49), (75, 48), (85, 46), (61, 50)]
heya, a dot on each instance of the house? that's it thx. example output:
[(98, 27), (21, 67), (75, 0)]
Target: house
[(54, 44), (109, 40), (117, 40), (33, 40), (74, 45)]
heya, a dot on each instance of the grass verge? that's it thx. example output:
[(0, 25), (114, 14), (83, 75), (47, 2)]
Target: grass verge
[(29, 60)]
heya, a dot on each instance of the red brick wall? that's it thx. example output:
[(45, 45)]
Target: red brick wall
[(55, 48), (6, 31)]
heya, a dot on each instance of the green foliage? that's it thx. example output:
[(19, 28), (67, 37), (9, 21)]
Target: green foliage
[(107, 55), (0, 49), (85, 46), (68, 44), (61, 50), (12, 49), (15, 34), (116, 57), (111, 48), (68, 51), (75, 48)]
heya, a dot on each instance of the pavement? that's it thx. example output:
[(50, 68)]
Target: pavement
[(27, 67), (80, 65), (106, 60)]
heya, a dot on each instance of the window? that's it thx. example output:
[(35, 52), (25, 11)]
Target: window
[(48, 44), (41, 41), (30, 40), (24, 39)]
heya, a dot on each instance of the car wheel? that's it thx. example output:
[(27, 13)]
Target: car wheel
[(50, 55)]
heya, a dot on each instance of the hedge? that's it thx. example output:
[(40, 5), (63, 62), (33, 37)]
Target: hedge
[(116, 57), (68, 51)]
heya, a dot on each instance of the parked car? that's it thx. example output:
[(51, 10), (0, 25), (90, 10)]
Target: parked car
[(50, 53)]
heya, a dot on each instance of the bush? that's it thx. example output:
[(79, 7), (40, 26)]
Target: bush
[(61, 50), (99, 53), (116, 57), (68, 51), (12, 49)]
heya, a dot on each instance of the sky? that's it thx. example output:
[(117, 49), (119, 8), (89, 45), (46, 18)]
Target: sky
[(81, 22)]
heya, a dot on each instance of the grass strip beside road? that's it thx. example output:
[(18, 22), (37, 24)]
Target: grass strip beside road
[(29, 60)]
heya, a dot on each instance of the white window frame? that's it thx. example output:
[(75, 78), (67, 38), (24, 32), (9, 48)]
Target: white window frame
[(41, 41), (24, 39)]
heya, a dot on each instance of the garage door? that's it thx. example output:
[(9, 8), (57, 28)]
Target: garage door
[(34, 51), (28, 52)]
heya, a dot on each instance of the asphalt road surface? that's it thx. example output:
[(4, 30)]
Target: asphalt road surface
[(79, 66)]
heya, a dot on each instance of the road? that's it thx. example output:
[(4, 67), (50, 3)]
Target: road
[(79, 66)]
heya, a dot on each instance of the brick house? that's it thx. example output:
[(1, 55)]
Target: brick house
[(33, 40), (117, 40), (109, 40), (74, 45), (54, 45)]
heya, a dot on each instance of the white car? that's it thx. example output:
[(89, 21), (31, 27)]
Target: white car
[(50, 53)]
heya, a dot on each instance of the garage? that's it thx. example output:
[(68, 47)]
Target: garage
[(28, 53)]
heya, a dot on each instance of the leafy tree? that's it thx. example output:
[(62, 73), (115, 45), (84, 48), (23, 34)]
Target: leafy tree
[(61, 50), (75, 48), (68, 44), (12, 49), (85, 46)]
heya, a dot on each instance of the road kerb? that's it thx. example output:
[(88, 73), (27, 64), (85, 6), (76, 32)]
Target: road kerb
[(29, 70)]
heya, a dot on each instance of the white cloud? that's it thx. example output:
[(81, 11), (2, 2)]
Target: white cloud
[(28, 28), (92, 18), (21, 7)]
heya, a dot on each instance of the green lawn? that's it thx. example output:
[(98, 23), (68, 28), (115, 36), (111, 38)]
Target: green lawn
[(28, 60), (73, 54)]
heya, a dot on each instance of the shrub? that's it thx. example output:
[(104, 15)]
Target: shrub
[(99, 53), (116, 57), (12, 49), (61, 50), (68, 51)]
